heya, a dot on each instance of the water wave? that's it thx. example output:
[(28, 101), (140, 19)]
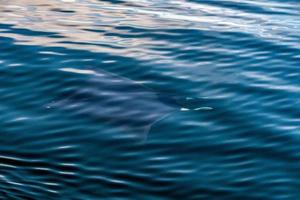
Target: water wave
[(127, 99)]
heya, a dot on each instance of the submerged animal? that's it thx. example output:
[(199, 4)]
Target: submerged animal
[(115, 100), (119, 102)]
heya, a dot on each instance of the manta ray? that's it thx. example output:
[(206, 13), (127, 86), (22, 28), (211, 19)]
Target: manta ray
[(118, 101)]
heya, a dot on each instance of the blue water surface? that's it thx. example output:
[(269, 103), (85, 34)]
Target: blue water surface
[(150, 100)]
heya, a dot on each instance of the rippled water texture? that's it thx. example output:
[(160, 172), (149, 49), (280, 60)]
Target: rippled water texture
[(149, 99)]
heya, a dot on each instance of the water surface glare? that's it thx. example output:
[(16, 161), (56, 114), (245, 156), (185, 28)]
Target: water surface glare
[(154, 100)]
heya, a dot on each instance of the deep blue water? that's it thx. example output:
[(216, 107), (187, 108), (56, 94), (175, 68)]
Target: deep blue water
[(150, 100)]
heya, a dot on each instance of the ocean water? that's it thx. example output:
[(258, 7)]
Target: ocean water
[(149, 100)]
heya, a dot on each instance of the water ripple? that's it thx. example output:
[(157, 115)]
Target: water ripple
[(127, 99)]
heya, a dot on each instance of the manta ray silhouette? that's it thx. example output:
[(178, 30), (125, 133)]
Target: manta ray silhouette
[(119, 101)]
